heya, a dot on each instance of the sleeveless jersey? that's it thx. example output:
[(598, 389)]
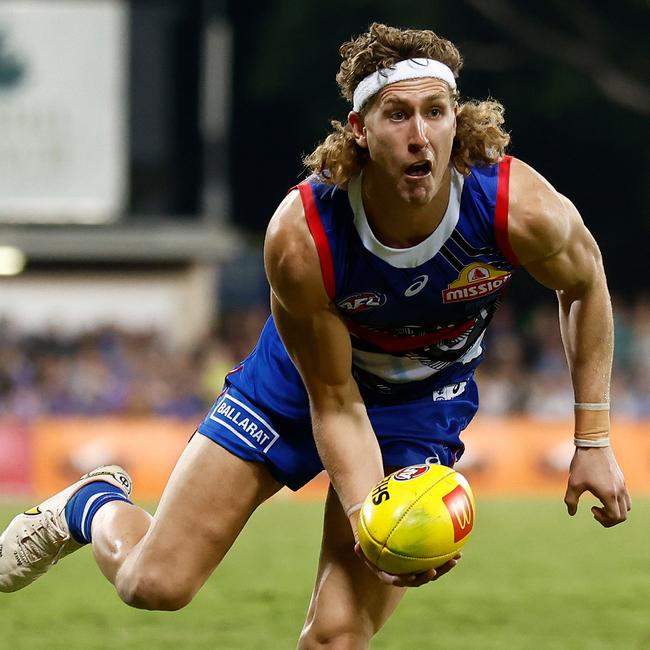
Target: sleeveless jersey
[(416, 316)]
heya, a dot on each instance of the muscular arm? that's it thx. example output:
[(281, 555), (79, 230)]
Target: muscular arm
[(553, 244), (556, 248), (319, 344)]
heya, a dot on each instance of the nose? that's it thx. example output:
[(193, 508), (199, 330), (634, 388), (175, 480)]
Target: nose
[(418, 139)]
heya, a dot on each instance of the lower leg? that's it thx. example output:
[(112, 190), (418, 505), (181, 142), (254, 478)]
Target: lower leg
[(349, 604), (154, 563), (116, 529), (161, 562)]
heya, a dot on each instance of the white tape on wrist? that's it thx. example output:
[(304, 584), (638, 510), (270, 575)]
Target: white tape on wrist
[(587, 442), (591, 406), (352, 509)]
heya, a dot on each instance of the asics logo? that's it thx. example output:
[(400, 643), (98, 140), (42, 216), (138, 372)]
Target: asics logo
[(417, 285)]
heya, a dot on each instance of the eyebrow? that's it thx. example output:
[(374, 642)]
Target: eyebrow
[(396, 99)]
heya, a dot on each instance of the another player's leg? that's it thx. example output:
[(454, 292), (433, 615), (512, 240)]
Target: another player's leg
[(208, 499), (349, 604)]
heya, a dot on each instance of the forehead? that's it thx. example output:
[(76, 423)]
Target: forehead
[(413, 90)]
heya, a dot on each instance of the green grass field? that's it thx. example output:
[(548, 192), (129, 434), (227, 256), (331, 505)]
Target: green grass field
[(531, 578)]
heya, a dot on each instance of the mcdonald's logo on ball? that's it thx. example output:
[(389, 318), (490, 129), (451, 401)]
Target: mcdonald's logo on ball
[(460, 508)]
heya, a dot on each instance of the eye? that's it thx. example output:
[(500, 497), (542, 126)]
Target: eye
[(435, 112), (398, 115)]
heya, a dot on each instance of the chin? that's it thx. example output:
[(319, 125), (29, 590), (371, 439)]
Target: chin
[(419, 198)]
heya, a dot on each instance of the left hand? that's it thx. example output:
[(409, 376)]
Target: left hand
[(595, 470)]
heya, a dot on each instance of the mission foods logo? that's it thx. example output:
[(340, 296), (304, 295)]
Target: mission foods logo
[(475, 281), (362, 301), (460, 508)]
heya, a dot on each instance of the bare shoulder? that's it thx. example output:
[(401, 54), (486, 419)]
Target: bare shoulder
[(548, 234), (540, 219), (291, 260)]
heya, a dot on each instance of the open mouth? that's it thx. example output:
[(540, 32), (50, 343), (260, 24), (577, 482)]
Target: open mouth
[(419, 169)]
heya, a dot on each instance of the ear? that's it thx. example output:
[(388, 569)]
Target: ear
[(358, 130)]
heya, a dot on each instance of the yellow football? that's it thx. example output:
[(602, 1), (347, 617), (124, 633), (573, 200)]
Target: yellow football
[(416, 519)]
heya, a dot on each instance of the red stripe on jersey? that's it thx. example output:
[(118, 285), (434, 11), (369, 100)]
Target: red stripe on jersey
[(501, 211), (392, 343), (320, 238)]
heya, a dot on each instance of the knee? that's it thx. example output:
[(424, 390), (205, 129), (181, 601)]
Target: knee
[(154, 589)]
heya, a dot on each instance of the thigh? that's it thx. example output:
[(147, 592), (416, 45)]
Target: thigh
[(349, 604), (209, 497)]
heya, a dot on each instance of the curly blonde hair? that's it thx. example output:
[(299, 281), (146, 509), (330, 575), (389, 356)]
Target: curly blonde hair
[(480, 137)]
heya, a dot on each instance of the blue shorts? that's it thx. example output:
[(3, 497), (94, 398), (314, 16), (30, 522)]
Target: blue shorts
[(408, 433)]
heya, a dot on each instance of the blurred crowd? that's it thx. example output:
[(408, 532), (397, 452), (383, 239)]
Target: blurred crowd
[(525, 369), (110, 371)]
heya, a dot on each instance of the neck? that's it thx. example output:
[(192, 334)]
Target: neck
[(393, 221)]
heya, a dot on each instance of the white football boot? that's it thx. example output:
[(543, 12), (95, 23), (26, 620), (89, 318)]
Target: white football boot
[(37, 539)]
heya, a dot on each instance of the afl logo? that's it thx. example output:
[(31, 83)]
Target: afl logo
[(417, 285), (411, 472), (362, 301)]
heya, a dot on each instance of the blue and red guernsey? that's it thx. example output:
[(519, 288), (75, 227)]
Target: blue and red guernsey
[(416, 316)]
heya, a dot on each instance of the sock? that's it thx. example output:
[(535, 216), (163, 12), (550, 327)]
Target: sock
[(84, 504)]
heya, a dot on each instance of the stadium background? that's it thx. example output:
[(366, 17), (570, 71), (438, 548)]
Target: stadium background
[(144, 147)]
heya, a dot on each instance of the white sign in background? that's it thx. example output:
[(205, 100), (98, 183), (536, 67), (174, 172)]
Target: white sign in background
[(63, 110)]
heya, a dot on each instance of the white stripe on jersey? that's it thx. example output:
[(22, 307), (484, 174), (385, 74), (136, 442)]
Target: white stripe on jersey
[(403, 369)]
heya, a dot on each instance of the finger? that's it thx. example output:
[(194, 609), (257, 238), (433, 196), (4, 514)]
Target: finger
[(607, 517), (415, 579), (402, 580), (615, 509), (419, 579), (390, 579), (447, 567), (571, 498), (623, 506), (628, 500), (601, 516)]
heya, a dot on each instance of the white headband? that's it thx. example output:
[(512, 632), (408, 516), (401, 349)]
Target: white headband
[(401, 71)]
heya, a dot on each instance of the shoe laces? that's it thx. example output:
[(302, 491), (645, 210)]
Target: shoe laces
[(42, 539)]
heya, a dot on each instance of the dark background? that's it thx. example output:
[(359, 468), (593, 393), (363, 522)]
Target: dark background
[(573, 77)]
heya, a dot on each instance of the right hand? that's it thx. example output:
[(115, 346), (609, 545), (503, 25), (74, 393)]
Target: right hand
[(407, 579)]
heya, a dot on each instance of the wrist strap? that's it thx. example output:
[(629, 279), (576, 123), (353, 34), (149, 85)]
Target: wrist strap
[(592, 424), (352, 509), (591, 406), (591, 442)]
